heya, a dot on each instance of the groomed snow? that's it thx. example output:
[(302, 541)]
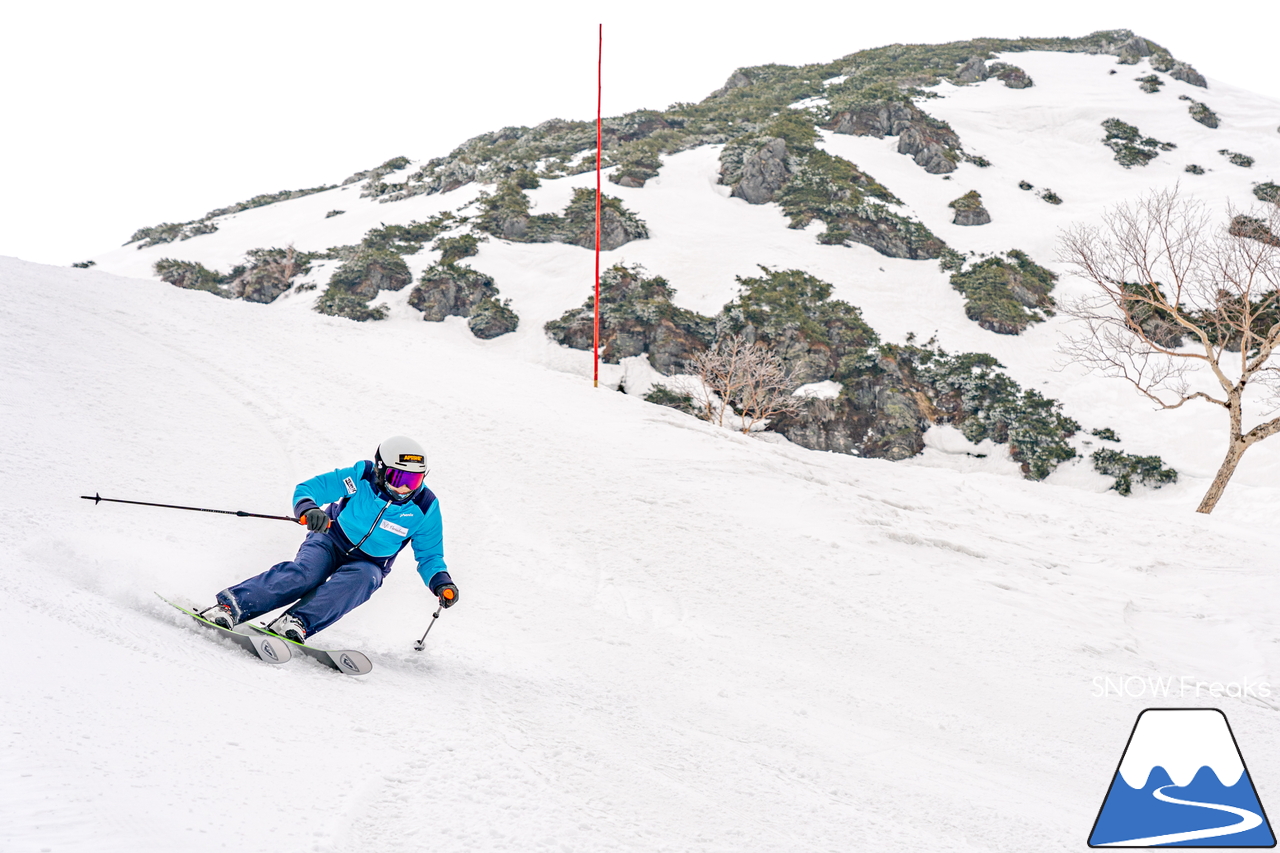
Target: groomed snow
[(670, 636)]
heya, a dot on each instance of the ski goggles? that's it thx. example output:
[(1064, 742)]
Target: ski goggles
[(400, 479)]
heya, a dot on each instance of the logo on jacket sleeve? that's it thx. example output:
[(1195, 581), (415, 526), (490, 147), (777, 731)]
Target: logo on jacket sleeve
[(1181, 781), (350, 484)]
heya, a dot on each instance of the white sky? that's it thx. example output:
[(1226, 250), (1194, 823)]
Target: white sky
[(115, 116)]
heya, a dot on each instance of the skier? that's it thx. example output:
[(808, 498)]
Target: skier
[(375, 509)]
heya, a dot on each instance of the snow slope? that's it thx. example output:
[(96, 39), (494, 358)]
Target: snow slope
[(670, 636)]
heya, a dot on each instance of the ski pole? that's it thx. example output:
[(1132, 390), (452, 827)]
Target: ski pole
[(96, 498), (422, 644)]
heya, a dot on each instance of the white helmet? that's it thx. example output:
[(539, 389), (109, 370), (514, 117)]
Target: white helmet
[(400, 462)]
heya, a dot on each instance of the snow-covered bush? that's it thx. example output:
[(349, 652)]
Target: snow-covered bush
[(664, 396), (169, 232), (1130, 146), (506, 214), (454, 249), (637, 317), (450, 290), (1200, 112), (191, 276), (1006, 294), (491, 318), (792, 313), (362, 276), (1128, 469), (1235, 158), (1151, 83), (971, 392), (1267, 192)]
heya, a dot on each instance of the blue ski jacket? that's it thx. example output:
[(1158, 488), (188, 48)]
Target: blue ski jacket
[(371, 524)]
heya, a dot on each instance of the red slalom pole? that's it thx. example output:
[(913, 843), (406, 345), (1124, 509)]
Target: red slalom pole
[(595, 347)]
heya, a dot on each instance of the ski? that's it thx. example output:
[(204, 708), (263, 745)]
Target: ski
[(346, 661), (269, 648)]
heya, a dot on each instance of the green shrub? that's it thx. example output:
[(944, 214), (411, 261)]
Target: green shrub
[(986, 404), (491, 318), (1267, 192), (1105, 433), (1235, 158), (454, 249), (505, 214), (1130, 146), (1151, 83), (1200, 112), (191, 276), (370, 271), (1024, 185), (407, 239), (169, 232), (1194, 169), (637, 317), (1051, 197), (84, 265), (337, 304), (1127, 468), (972, 200), (950, 260), (664, 396), (1006, 294)]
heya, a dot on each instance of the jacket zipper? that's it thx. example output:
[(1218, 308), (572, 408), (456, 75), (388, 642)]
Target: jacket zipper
[(356, 547)]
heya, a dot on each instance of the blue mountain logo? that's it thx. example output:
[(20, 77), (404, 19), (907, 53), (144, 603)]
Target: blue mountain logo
[(1182, 783)]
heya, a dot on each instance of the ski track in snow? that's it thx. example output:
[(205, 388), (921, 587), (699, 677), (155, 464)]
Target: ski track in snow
[(670, 637)]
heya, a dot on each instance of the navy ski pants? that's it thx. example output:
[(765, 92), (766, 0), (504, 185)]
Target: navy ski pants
[(326, 582)]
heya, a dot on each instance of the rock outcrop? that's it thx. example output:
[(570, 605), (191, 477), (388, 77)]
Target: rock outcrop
[(450, 290), (763, 172), (637, 317), (1012, 76), (878, 415), (970, 210), (491, 318), (972, 71), (932, 144)]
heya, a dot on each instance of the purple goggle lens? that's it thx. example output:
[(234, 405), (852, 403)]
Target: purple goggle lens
[(399, 479)]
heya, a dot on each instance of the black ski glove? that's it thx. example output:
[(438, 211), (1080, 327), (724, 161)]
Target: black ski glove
[(448, 595), (315, 519)]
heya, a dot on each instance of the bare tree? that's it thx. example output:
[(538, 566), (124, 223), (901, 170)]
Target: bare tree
[(738, 373), (1183, 303)]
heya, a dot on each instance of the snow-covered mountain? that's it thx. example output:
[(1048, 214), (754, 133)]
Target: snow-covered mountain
[(671, 635)]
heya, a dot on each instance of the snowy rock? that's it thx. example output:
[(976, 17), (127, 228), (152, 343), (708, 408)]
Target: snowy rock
[(1184, 72), (637, 318), (737, 80), (972, 71), (930, 143), (933, 148), (491, 318), (977, 216), (874, 418), (763, 172), (888, 118), (451, 290), (1012, 76)]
